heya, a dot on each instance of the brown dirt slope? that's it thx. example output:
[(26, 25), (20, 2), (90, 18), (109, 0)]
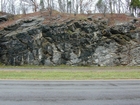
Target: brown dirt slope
[(112, 19)]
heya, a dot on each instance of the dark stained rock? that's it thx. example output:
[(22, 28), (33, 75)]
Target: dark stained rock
[(3, 18), (89, 18)]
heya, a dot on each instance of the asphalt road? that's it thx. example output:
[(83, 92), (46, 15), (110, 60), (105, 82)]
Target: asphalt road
[(126, 92)]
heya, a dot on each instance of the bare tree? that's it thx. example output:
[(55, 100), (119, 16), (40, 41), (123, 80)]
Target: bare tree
[(31, 3), (62, 6), (113, 6), (1, 5), (42, 6), (80, 6), (6, 6), (23, 6), (102, 7), (34, 4), (119, 6), (67, 6), (127, 6), (11, 7)]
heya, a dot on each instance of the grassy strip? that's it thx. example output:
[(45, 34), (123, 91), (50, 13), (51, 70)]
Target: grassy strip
[(68, 75), (66, 67)]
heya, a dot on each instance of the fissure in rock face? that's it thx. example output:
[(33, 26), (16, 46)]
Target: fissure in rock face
[(74, 42)]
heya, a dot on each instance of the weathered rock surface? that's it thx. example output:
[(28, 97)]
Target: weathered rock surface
[(74, 42), (6, 17), (3, 18)]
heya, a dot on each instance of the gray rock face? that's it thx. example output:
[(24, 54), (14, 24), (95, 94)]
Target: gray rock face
[(83, 42), (6, 17), (106, 55), (3, 18)]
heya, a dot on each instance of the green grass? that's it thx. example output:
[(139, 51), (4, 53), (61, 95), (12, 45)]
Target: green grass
[(67, 74), (63, 72)]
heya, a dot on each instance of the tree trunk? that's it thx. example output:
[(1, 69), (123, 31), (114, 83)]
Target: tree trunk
[(110, 4), (119, 3), (1, 5)]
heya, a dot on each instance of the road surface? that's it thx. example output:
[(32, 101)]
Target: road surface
[(113, 92)]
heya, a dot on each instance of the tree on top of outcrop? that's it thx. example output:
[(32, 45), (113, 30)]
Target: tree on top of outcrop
[(35, 5), (135, 5), (101, 6), (42, 4)]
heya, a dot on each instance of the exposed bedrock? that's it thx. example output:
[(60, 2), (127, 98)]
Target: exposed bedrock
[(73, 42)]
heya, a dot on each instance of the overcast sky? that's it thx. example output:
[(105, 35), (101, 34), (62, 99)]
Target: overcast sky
[(30, 10)]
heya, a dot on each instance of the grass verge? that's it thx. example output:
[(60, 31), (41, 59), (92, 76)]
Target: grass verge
[(67, 74)]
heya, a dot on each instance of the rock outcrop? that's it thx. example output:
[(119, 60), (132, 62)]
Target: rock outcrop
[(6, 17), (73, 42), (3, 18)]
